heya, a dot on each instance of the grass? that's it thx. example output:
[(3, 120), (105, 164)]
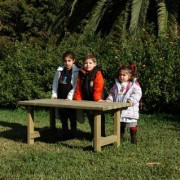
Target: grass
[(155, 157)]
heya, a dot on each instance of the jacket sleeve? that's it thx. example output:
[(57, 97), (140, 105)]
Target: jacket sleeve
[(112, 94), (98, 86), (136, 94), (78, 90), (55, 84)]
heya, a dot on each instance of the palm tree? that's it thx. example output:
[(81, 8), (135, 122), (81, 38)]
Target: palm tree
[(101, 16), (168, 17)]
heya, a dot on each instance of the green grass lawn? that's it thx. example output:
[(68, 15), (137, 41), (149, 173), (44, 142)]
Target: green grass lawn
[(157, 155)]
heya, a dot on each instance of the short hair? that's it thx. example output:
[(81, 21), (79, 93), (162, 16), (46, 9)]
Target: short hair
[(69, 54), (90, 56)]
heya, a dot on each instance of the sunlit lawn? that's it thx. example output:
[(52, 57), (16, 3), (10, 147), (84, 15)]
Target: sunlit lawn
[(156, 156)]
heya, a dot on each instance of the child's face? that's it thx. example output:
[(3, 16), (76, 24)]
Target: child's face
[(89, 64), (68, 62), (124, 76)]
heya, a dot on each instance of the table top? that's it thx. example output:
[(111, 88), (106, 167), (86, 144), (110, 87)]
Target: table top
[(74, 104)]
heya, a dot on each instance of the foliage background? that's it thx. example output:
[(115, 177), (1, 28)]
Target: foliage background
[(29, 55), (28, 72)]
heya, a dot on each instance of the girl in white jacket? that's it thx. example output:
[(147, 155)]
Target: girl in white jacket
[(127, 89)]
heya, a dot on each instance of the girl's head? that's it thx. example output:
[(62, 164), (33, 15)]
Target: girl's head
[(69, 59), (127, 73), (89, 62)]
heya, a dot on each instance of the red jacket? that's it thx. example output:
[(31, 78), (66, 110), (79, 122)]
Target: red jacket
[(98, 87)]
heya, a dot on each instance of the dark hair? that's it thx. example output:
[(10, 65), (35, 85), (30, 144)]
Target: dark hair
[(131, 69), (68, 53)]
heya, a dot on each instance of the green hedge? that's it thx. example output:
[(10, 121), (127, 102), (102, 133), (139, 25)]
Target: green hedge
[(28, 73)]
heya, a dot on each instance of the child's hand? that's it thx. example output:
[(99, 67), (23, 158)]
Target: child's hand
[(100, 100), (107, 100), (131, 103), (53, 97)]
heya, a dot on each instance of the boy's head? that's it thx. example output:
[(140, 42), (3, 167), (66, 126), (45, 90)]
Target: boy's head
[(69, 59), (89, 62)]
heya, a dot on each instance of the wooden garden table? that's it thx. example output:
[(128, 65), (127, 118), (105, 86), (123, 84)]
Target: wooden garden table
[(96, 107)]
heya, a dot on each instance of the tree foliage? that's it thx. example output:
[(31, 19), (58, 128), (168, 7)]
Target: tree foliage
[(29, 55), (32, 19), (21, 19), (101, 16)]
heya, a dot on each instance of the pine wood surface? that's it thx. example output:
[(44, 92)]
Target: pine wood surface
[(73, 104)]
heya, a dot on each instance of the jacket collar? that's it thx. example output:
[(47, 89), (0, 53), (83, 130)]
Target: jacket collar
[(133, 81), (74, 68)]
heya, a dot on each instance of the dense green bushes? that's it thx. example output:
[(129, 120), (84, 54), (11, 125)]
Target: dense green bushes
[(28, 73)]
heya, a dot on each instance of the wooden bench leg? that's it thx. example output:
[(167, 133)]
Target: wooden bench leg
[(117, 115), (52, 118), (30, 125), (97, 131)]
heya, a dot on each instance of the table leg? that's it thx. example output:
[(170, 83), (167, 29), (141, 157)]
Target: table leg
[(30, 127), (117, 115), (52, 118), (97, 131)]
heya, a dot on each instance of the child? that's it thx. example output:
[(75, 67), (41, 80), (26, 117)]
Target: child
[(90, 87), (64, 84), (127, 89)]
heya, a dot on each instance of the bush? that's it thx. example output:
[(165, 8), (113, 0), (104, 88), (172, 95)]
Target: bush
[(29, 72)]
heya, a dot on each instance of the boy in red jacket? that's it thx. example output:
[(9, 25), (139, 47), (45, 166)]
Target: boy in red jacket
[(90, 86)]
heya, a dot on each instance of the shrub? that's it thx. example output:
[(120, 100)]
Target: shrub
[(29, 72)]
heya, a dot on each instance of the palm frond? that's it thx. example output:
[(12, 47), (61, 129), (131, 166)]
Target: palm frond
[(105, 15), (138, 15), (167, 17), (61, 20), (80, 12), (98, 13), (73, 7), (71, 15), (162, 18), (120, 26)]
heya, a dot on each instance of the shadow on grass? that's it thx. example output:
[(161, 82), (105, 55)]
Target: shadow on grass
[(84, 148), (56, 135), (173, 118), (13, 131), (18, 132)]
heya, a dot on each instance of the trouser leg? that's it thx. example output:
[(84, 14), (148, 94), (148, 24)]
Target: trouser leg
[(64, 119), (90, 117), (122, 127), (103, 131), (73, 121), (64, 124)]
